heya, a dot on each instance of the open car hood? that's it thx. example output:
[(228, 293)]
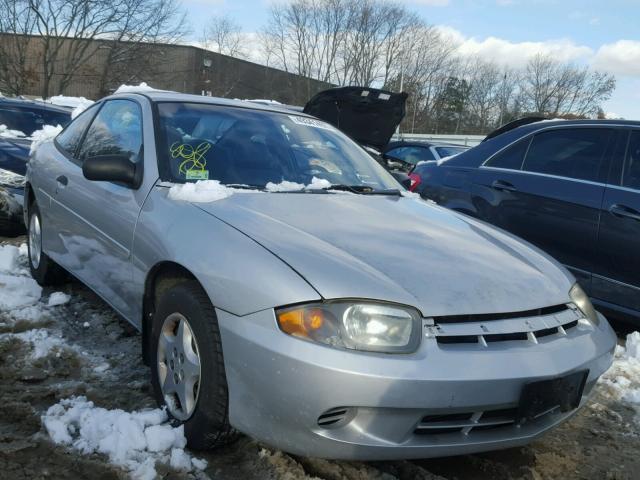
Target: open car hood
[(368, 115)]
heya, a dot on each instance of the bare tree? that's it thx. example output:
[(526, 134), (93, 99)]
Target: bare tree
[(224, 35), (555, 88), (144, 22), (17, 21)]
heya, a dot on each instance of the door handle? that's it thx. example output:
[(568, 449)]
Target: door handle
[(502, 185), (62, 180), (618, 210)]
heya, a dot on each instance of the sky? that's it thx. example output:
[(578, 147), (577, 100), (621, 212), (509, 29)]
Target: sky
[(603, 34)]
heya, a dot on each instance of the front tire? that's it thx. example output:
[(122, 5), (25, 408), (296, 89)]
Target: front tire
[(44, 270), (187, 371)]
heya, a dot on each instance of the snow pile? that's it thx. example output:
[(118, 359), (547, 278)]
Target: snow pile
[(81, 107), (143, 87), (200, 191), (58, 298), (134, 441), (45, 134), (9, 255), (623, 378), (6, 132), (17, 292)]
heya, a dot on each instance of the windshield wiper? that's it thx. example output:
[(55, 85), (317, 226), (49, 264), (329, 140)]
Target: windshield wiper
[(364, 190), (244, 186)]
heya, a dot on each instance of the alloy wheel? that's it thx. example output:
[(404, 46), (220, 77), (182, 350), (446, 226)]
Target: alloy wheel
[(178, 366), (35, 241)]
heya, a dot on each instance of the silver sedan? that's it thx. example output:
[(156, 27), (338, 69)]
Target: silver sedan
[(288, 288)]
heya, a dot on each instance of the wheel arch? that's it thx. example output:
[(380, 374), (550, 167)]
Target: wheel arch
[(162, 276)]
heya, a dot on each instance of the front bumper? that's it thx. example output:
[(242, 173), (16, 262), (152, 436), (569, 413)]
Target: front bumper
[(445, 399), (11, 201)]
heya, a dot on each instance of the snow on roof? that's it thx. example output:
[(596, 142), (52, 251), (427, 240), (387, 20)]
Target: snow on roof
[(45, 134), (142, 87)]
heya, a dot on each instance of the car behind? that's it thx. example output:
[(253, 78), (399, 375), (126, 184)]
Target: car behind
[(571, 188), (19, 118)]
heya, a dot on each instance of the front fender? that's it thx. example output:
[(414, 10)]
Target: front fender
[(239, 275)]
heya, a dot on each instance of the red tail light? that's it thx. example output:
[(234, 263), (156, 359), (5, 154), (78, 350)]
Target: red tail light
[(415, 181)]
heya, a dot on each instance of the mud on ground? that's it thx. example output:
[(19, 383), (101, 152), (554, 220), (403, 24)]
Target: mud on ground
[(103, 363)]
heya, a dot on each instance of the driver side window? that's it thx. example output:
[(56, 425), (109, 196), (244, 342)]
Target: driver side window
[(116, 130)]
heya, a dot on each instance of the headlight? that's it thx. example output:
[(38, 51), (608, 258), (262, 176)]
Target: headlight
[(370, 326), (11, 179), (582, 301)]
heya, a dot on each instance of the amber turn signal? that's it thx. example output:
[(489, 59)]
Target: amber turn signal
[(301, 321)]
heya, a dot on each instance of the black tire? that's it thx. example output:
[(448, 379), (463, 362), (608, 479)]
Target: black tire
[(47, 272), (208, 426)]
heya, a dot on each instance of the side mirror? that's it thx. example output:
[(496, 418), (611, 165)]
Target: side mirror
[(113, 168)]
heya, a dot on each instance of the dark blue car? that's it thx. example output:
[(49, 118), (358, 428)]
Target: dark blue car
[(571, 188), (19, 118)]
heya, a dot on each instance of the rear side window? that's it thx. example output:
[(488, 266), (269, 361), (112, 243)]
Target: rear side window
[(568, 152), (70, 138), (411, 155), (631, 174), (28, 120), (511, 157), (116, 130)]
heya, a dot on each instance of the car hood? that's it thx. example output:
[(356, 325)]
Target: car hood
[(397, 249), (14, 154), (368, 115)]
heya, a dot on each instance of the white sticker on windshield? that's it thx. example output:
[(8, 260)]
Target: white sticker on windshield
[(310, 122)]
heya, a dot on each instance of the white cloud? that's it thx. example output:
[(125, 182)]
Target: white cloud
[(516, 54), (619, 58)]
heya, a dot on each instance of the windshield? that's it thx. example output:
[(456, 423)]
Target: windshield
[(240, 146), (449, 151), (28, 120)]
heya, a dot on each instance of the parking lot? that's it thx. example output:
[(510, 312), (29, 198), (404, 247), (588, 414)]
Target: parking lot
[(78, 346)]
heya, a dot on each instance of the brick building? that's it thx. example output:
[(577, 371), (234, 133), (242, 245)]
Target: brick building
[(181, 68)]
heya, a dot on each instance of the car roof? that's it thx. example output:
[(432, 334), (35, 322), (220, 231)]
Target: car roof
[(39, 104), (422, 143), (487, 148), (168, 96)]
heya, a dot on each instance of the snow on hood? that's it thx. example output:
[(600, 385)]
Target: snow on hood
[(402, 250), (286, 186), (142, 87), (45, 134), (204, 191)]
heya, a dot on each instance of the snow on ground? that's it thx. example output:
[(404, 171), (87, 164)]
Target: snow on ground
[(45, 134), (134, 441), (17, 292), (622, 381), (6, 132), (57, 298)]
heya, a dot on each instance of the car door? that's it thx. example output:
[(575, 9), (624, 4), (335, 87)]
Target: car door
[(616, 279), (97, 219), (547, 188)]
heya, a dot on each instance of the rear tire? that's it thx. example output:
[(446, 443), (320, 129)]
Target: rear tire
[(205, 413), (44, 270)]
